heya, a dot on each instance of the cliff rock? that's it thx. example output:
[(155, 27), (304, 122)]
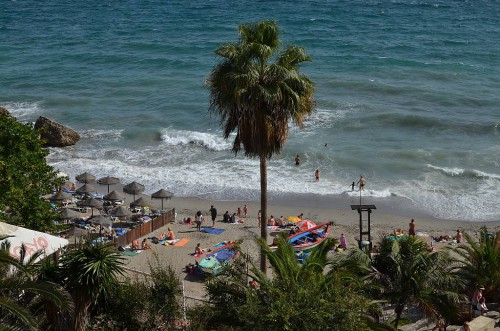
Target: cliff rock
[(55, 134)]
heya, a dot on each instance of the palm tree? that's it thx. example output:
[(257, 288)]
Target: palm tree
[(90, 275), (479, 263), (411, 275), (257, 98), (19, 289)]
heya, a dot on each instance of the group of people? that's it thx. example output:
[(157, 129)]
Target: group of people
[(317, 174)]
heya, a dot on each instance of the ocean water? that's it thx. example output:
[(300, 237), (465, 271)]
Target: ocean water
[(408, 95)]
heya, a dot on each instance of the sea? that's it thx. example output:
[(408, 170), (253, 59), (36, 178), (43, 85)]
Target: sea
[(407, 95)]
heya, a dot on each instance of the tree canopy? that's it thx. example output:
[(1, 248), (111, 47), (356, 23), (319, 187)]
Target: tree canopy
[(256, 90), (25, 176)]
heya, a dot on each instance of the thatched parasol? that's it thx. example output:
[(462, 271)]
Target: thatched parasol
[(108, 181), (162, 194)]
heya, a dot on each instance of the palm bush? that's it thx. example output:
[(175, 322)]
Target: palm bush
[(410, 275), (478, 262), (90, 274), (297, 296), (21, 293)]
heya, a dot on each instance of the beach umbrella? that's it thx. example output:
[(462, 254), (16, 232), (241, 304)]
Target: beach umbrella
[(93, 203), (141, 202), (162, 194), (306, 225), (101, 221), (113, 196), (133, 188), (86, 188), (68, 213), (294, 219), (121, 211), (108, 181), (85, 178), (61, 196)]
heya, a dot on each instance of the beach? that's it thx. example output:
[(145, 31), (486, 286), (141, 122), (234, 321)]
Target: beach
[(345, 221)]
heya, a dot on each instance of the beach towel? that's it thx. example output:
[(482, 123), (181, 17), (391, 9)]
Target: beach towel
[(220, 244), (181, 242), (171, 242), (212, 230)]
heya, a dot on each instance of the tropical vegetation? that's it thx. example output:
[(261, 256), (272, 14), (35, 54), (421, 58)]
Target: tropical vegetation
[(257, 89), (478, 263), (22, 295), (25, 177)]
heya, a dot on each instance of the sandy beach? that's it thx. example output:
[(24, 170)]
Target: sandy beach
[(345, 221)]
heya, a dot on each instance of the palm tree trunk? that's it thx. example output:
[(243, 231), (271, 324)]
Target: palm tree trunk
[(263, 208)]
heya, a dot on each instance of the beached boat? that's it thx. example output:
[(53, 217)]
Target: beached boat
[(308, 239), (218, 260)]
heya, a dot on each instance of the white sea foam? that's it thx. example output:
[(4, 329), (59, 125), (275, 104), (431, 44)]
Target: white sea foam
[(460, 171), (449, 171), (208, 140), (23, 111)]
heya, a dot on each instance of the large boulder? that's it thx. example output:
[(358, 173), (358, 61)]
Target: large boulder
[(55, 134), (4, 112)]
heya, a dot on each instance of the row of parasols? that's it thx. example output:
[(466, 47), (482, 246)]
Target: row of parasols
[(133, 188)]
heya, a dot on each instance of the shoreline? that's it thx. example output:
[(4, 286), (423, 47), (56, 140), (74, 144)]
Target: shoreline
[(319, 209)]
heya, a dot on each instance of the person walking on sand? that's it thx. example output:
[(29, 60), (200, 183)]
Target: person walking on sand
[(245, 211), (259, 217), (411, 230), (213, 213), (297, 160), (316, 175), (362, 183)]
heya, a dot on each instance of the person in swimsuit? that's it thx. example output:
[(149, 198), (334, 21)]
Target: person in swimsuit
[(411, 230), (316, 175), (362, 183), (297, 160)]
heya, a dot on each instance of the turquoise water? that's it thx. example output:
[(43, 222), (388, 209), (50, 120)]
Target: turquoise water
[(407, 95)]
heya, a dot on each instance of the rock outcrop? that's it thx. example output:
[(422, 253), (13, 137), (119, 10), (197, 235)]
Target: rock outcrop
[(55, 134), (4, 112)]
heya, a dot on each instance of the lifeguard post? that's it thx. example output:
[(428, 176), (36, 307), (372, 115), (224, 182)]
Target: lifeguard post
[(364, 224)]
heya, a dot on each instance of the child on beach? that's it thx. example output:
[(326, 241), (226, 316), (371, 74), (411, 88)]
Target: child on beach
[(245, 211), (198, 250), (352, 186), (198, 219)]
